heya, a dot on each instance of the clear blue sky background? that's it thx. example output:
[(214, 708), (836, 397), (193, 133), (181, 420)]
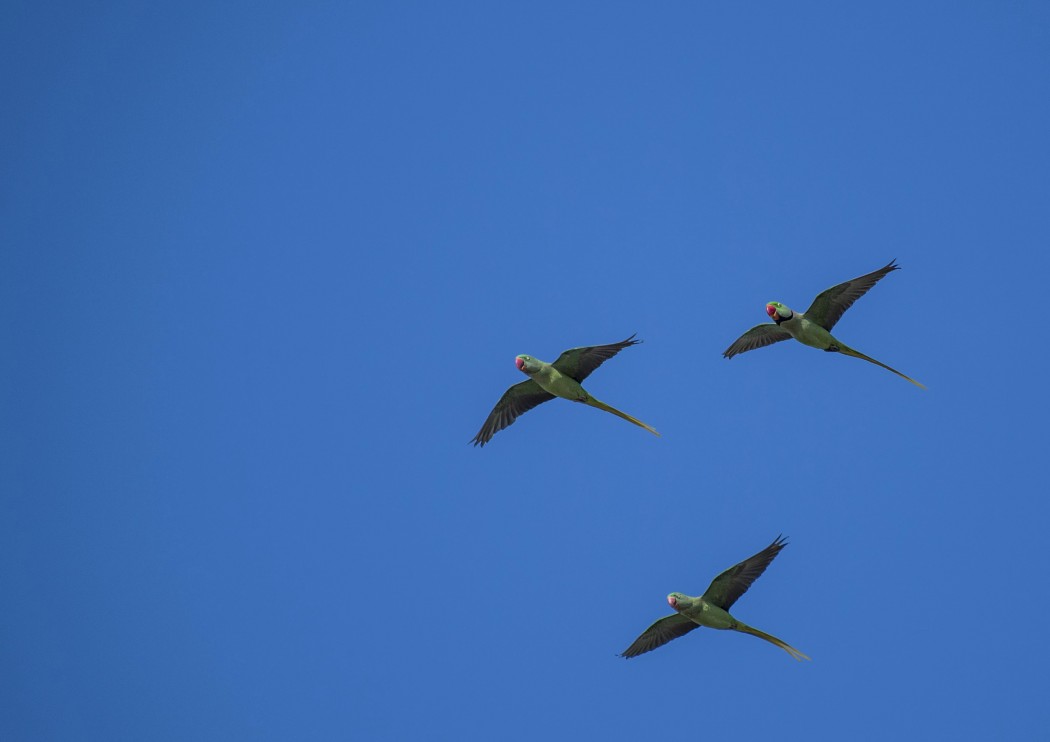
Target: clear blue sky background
[(264, 269)]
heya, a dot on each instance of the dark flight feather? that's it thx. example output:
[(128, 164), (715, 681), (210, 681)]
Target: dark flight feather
[(516, 401), (734, 582), (758, 336), (830, 305), (661, 632), (578, 363)]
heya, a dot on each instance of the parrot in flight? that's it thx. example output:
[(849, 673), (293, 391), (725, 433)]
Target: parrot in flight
[(712, 608), (549, 380), (813, 327)]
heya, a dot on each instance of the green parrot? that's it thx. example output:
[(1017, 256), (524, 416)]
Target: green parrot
[(549, 380), (712, 608), (813, 327)]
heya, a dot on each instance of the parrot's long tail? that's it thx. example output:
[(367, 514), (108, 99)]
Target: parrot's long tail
[(845, 349), (602, 406), (772, 640)]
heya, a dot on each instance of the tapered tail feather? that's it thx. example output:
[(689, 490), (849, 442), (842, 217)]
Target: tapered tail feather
[(772, 640), (602, 406), (845, 349)]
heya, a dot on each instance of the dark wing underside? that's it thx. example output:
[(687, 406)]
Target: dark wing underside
[(578, 363), (758, 336), (830, 305), (661, 632), (734, 582), (517, 400)]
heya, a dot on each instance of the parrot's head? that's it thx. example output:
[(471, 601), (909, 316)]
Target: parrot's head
[(677, 601), (778, 312), (526, 364)]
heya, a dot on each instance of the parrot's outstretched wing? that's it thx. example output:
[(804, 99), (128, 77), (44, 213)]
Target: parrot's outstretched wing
[(578, 363), (517, 400), (661, 632), (758, 336), (734, 582), (830, 305)]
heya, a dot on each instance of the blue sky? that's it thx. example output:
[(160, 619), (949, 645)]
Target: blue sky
[(264, 272)]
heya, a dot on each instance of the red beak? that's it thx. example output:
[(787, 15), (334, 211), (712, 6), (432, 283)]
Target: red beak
[(672, 601), (520, 364), (771, 311)]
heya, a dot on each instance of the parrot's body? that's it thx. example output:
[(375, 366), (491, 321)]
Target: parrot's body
[(703, 613), (553, 381), (808, 333)]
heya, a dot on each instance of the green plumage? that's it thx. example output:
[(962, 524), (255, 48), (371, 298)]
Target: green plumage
[(712, 608), (813, 327), (563, 378)]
